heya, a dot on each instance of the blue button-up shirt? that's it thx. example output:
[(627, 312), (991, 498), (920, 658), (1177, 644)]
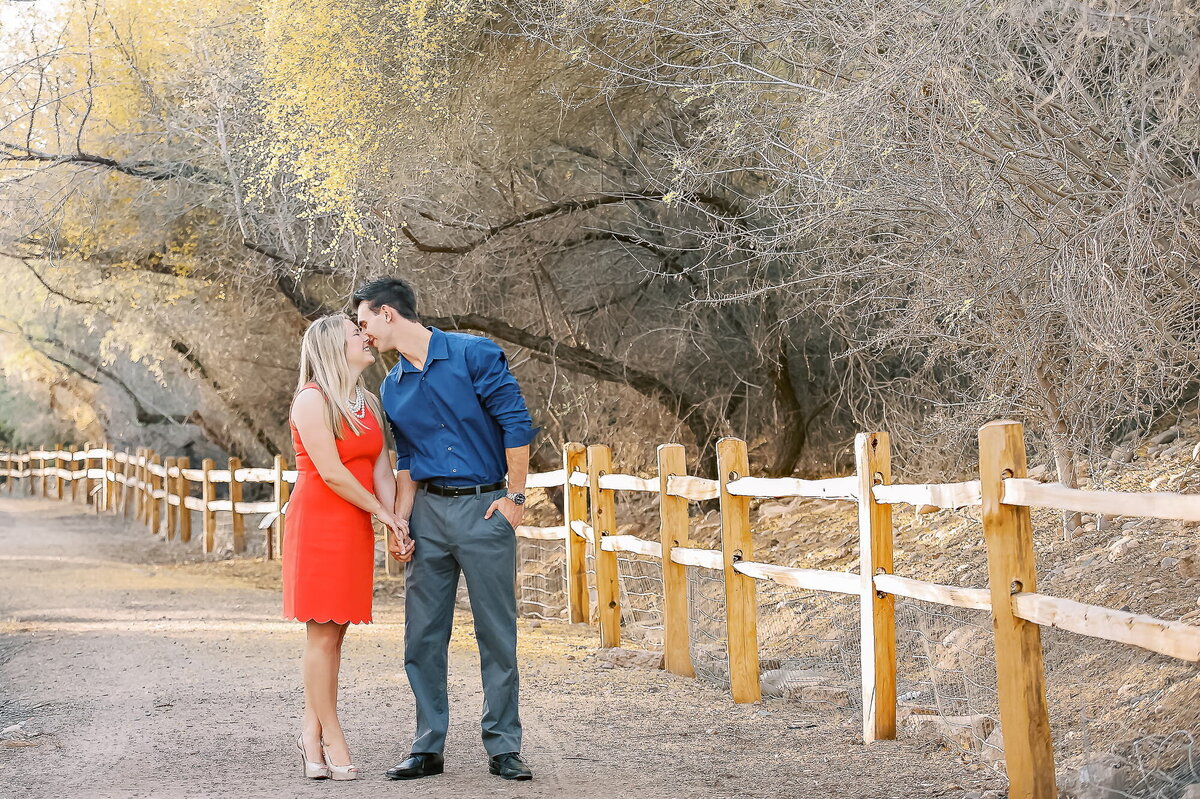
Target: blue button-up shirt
[(453, 419)]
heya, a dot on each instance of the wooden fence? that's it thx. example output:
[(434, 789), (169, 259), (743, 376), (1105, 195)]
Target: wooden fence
[(153, 490)]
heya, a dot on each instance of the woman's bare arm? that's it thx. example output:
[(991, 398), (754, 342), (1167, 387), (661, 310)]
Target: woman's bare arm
[(385, 481), (308, 414), (400, 545)]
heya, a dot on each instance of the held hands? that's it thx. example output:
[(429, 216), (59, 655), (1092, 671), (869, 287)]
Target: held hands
[(508, 509), (400, 544)]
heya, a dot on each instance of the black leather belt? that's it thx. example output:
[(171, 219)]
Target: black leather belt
[(461, 491)]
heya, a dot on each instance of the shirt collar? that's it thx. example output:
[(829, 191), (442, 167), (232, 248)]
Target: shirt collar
[(439, 349)]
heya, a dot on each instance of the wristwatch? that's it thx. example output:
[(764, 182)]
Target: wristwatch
[(517, 497)]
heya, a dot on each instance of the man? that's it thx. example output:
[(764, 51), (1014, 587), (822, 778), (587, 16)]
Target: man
[(460, 425)]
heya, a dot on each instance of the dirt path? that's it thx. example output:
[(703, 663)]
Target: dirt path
[(138, 670)]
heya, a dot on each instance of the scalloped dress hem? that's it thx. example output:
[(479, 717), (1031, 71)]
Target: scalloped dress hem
[(327, 621)]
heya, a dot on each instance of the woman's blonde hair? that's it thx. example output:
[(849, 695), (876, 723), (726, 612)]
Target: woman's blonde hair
[(323, 361)]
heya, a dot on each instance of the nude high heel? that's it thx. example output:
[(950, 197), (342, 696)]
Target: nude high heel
[(349, 772), (313, 771)]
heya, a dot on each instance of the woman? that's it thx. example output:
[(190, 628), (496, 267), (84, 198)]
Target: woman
[(329, 546)]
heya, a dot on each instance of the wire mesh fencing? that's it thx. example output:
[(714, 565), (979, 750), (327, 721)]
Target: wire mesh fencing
[(641, 597), (541, 578), (708, 640), (1125, 722), (808, 646), (946, 678)]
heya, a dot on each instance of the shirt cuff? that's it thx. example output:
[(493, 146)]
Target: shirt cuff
[(520, 436), (403, 462)]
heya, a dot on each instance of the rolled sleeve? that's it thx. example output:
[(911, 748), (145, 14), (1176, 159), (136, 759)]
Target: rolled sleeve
[(403, 450), (500, 394)]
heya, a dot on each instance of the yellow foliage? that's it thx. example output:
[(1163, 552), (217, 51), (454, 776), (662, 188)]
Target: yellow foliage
[(342, 82), (128, 54)]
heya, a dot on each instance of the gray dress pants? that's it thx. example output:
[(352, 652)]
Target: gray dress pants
[(450, 535)]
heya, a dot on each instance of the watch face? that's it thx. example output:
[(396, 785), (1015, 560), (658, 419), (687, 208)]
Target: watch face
[(519, 499)]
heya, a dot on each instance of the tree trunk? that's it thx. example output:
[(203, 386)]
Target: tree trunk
[(793, 431)]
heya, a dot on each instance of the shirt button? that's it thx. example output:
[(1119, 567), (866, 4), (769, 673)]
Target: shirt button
[(454, 470)]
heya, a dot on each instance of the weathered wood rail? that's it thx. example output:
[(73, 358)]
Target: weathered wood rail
[(153, 491)]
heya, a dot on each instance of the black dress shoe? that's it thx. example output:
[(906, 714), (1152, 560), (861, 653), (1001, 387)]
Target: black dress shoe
[(510, 766), (418, 764)]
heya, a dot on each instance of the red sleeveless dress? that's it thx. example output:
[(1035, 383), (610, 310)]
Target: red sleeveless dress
[(329, 544)]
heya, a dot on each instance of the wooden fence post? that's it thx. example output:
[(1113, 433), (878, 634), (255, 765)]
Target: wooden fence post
[(575, 508), (120, 471), (147, 488), (73, 488), (156, 506), (873, 462), (136, 486), (208, 494), (282, 493), (76, 482), (45, 477), (235, 496), (185, 513), (10, 480), (128, 493), (271, 534), (1020, 674), (673, 532), (106, 467), (86, 462), (169, 486), (608, 586), (59, 481), (741, 600), (139, 495)]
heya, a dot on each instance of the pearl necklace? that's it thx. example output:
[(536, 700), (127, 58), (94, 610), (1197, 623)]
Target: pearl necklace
[(358, 405)]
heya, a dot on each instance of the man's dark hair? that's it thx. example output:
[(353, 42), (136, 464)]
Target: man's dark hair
[(390, 291)]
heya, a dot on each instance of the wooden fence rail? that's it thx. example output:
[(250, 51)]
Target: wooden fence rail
[(161, 494)]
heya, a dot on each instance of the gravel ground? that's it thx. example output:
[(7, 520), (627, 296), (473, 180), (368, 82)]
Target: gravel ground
[(137, 669)]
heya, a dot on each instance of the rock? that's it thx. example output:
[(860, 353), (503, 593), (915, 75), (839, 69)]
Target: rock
[(993, 747), (1166, 436), (962, 641), (534, 623), (768, 510), (790, 683), (903, 713), (1168, 563), (1122, 454), (825, 695), (1122, 547), (1191, 791), (629, 658), (1037, 473), (1103, 778), (965, 732), (1189, 565)]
